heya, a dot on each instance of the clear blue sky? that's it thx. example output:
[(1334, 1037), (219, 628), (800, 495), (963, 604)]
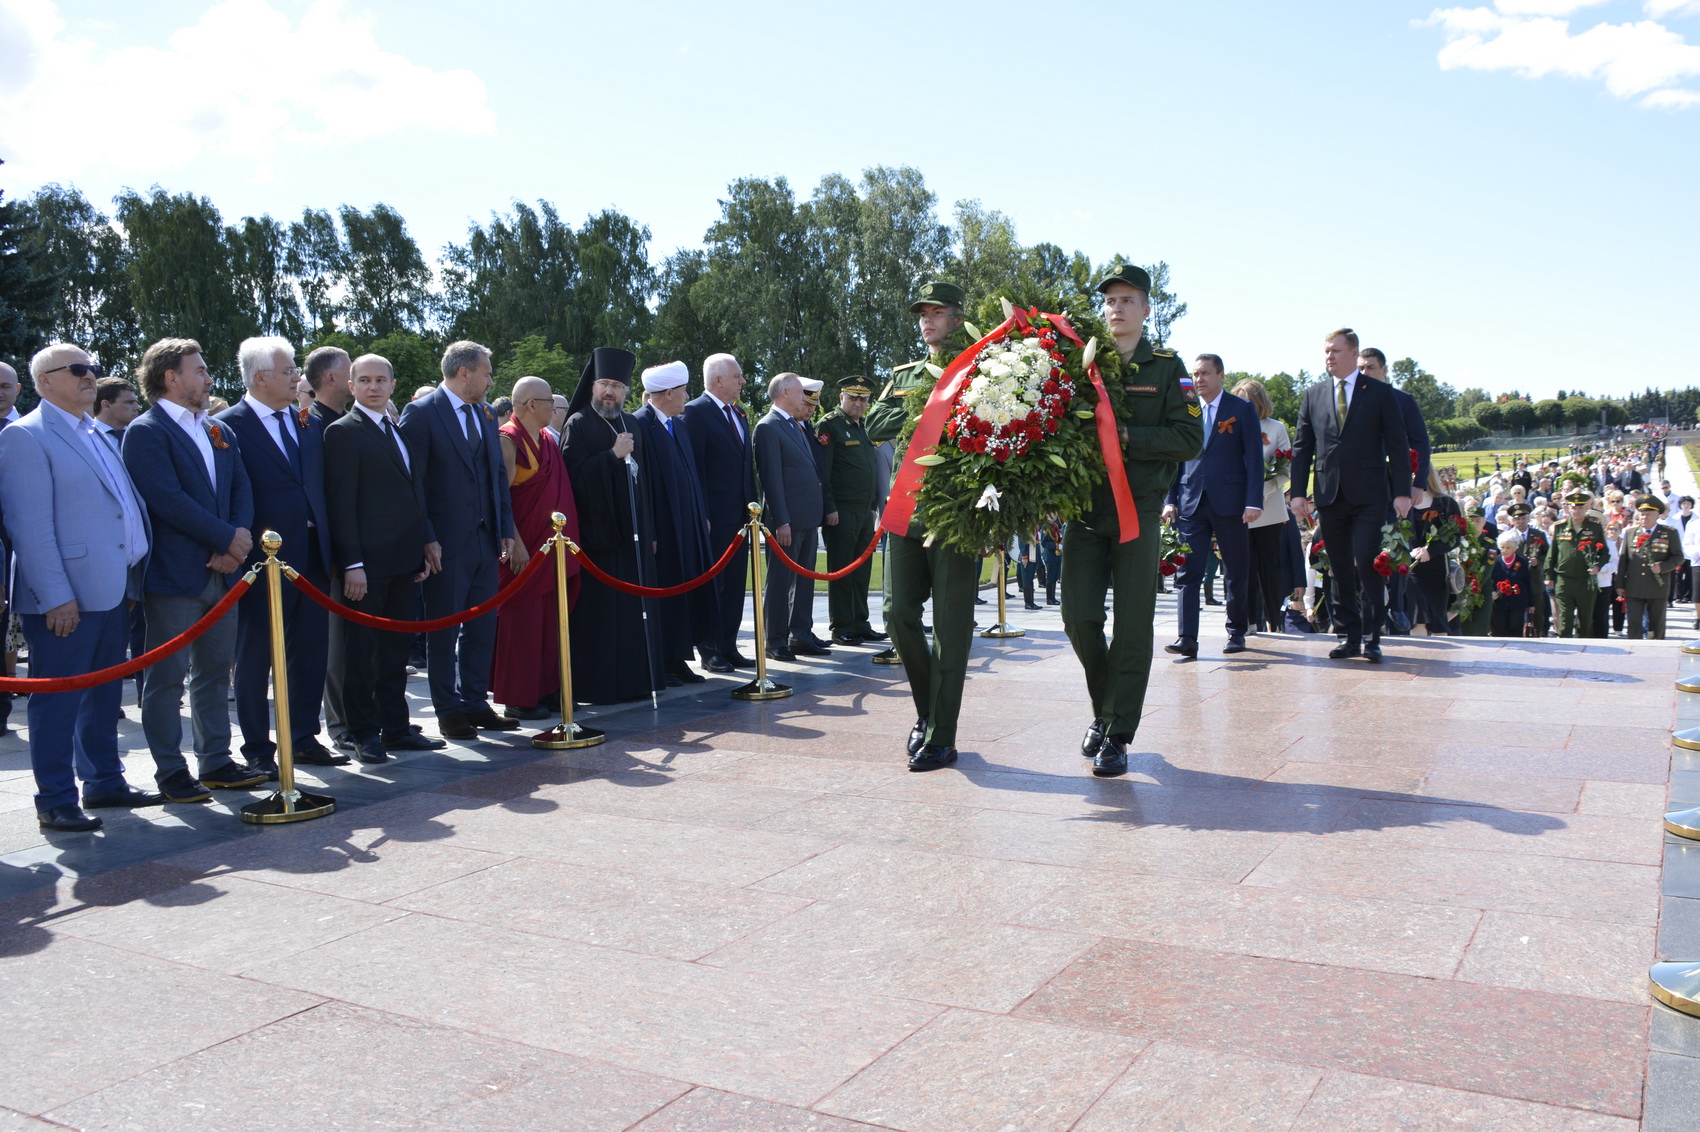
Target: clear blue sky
[(1505, 193)]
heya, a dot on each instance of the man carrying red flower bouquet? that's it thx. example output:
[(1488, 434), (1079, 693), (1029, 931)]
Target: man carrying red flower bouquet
[(1651, 554), (1579, 550), (1161, 426)]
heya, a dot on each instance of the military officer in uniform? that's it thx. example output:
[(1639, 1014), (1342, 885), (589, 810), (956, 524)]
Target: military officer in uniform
[(950, 577), (1578, 552), (1161, 427), (1534, 552), (1651, 554), (849, 473)]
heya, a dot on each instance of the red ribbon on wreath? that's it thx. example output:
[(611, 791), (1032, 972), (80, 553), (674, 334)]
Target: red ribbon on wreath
[(900, 508)]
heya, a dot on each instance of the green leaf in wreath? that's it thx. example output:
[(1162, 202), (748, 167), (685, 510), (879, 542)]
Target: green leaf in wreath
[(935, 371), (1085, 414), (973, 331), (931, 460), (1058, 460)]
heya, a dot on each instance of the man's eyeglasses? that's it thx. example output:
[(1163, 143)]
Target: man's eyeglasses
[(78, 369)]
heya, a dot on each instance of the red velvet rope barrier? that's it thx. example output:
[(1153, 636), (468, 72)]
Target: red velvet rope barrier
[(836, 574), (609, 580), (366, 619), (39, 684)]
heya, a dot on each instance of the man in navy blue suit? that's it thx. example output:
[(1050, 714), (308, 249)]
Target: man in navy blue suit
[(282, 449), (196, 489), (681, 524), (469, 530), (720, 437), (1217, 495), (1373, 363)]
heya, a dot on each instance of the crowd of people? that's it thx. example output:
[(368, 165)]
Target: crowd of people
[(127, 527)]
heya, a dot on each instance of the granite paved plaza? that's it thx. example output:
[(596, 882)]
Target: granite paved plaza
[(1330, 896)]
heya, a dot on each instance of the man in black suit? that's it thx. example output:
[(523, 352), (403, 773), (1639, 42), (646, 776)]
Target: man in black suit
[(1373, 363), (469, 532), (792, 508), (1218, 494), (326, 373), (720, 441), (283, 450), (1350, 432), (681, 524), (377, 525)]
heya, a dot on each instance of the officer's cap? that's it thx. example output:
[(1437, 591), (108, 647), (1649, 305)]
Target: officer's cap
[(938, 293), (812, 386), (1579, 497), (1518, 510), (1652, 503), (1130, 274), (856, 387)]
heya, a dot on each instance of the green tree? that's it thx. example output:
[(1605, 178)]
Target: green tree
[(1489, 414), (679, 332), (1434, 398), (1550, 414), (1519, 415), (1286, 391), (27, 289), (1468, 399), (387, 281), (1462, 430), (987, 257), (180, 277), (259, 271), (85, 255), (532, 356), (1583, 413), (514, 279), (1166, 309), (1616, 415), (611, 294), (317, 259), (413, 357), (899, 243)]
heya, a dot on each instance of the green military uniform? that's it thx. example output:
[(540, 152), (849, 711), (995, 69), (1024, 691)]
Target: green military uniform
[(1643, 590), (1535, 553), (949, 577), (1575, 570), (848, 480), (1164, 426)]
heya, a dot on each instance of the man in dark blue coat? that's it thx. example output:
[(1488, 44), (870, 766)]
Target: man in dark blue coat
[(1373, 363), (469, 529), (1218, 494), (720, 441), (282, 449), (681, 524), (191, 477)]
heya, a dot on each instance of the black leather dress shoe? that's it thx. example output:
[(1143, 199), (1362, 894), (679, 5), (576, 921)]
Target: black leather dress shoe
[(870, 635), (683, 672), (846, 639), (932, 757), (183, 789), (1235, 644), (1372, 653), (718, 663), (68, 818), (1344, 651), (1092, 740), (371, 751), (801, 647), (344, 742), (484, 718), (1182, 647), (233, 776), (737, 660), (310, 752), (917, 736), (125, 797), (527, 713), (267, 767), (456, 725), (413, 741), (1111, 759), (776, 653)]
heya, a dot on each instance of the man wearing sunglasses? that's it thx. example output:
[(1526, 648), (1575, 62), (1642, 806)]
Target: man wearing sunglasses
[(80, 532)]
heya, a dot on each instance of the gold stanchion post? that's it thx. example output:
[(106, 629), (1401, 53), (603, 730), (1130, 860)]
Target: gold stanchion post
[(1676, 984), (288, 804), (761, 688), (1003, 628), (568, 734)]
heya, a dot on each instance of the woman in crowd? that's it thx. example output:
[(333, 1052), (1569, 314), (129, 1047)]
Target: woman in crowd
[(1268, 589), (1435, 529), (1609, 606), (1510, 589)]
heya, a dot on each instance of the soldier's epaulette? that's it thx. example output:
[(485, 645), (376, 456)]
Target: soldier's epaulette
[(1162, 353), (908, 365)]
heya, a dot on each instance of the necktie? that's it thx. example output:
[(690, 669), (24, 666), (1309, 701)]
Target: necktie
[(1209, 424), (1340, 400), (290, 448), (395, 438), (733, 421), (670, 431), (474, 438)]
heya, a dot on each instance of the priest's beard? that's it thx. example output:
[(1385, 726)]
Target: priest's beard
[(607, 412)]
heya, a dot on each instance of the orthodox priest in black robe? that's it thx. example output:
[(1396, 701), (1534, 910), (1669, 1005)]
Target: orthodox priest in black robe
[(616, 656), (681, 520)]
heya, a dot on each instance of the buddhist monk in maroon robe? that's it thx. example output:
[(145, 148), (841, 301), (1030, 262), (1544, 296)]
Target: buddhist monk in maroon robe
[(526, 667)]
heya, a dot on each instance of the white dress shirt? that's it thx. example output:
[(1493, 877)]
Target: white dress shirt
[(117, 478), (727, 411), (268, 417), (194, 426), (455, 404), (382, 420)]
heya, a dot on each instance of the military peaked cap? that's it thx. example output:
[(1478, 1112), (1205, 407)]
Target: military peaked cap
[(1131, 275), (938, 293)]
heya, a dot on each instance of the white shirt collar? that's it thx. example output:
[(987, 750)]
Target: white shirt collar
[(264, 410), (74, 421), (1211, 404), (723, 404), (378, 418), (179, 413), (12, 414), (454, 402)]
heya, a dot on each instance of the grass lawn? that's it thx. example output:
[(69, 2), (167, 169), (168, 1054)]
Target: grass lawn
[(1692, 451), (1464, 463)]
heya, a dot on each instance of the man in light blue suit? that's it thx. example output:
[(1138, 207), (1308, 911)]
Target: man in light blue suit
[(191, 476), (80, 533)]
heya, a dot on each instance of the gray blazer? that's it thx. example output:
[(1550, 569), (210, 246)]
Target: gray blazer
[(66, 525), (790, 478)]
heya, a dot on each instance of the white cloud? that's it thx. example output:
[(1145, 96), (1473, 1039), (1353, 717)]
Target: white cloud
[(1644, 59), (1659, 9), (1543, 7), (245, 83)]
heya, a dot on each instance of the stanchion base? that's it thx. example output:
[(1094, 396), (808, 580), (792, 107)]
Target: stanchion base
[(1003, 629), (1688, 740), (762, 689), (1684, 823), (276, 809), (1692, 648), (1677, 985), (886, 656), (1688, 684), (564, 739)]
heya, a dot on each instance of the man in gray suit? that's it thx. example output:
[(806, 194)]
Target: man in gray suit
[(81, 536), (792, 502)]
